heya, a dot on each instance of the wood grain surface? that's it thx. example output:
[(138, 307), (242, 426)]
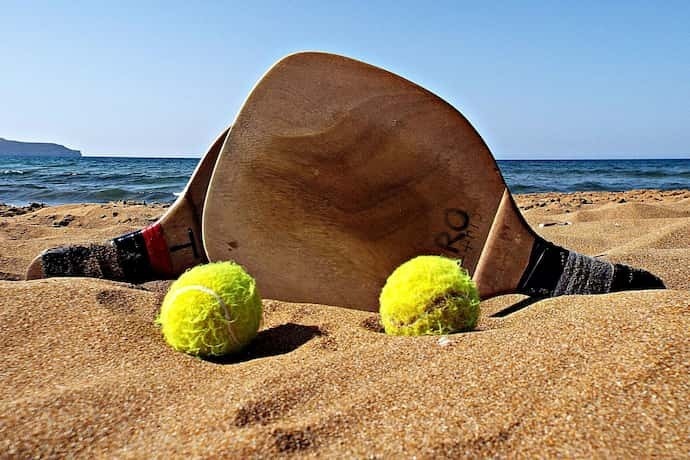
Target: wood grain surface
[(335, 172)]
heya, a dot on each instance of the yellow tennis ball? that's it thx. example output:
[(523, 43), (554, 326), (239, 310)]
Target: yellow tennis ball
[(211, 310), (429, 295)]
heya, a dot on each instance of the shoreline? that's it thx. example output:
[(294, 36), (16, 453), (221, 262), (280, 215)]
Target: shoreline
[(596, 196)]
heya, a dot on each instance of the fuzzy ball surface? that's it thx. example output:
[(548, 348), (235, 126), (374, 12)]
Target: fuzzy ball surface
[(429, 295), (211, 310)]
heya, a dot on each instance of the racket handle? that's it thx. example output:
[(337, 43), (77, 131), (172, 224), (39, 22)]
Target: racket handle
[(139, 256), (554, 271)]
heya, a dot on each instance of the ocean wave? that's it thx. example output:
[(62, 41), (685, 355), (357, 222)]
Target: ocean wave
[(14, 187), (113, 193), (594, 186), (662, 174)]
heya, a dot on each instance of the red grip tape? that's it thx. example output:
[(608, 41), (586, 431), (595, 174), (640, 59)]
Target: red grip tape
[(157, 248)]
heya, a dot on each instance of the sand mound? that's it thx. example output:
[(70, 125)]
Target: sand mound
[(85, 372), (629, 211)]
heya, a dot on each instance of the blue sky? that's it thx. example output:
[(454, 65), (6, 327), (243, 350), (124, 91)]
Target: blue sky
[(586, 79)]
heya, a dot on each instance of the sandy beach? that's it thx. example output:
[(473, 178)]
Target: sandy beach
[(85, 371)]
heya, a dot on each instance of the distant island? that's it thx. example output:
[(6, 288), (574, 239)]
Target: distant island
[(35, 149)]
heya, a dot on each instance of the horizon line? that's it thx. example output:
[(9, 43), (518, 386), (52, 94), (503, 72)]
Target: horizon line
[(508, 157)]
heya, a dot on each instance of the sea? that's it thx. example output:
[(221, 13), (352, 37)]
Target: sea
[(52, 181)]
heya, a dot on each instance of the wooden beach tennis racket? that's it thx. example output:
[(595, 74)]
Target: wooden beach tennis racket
[(162, 250), (335, 172)]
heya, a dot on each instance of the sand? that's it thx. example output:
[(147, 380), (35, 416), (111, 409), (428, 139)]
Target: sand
[(84, 371)]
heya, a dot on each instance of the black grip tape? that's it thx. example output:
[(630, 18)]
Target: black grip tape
[(125, 258), (133, 256), (554, 271)]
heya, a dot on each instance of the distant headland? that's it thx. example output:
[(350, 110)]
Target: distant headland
[(35, 149)]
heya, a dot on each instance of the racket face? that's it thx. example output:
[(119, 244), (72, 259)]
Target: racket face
[(335, 172)]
